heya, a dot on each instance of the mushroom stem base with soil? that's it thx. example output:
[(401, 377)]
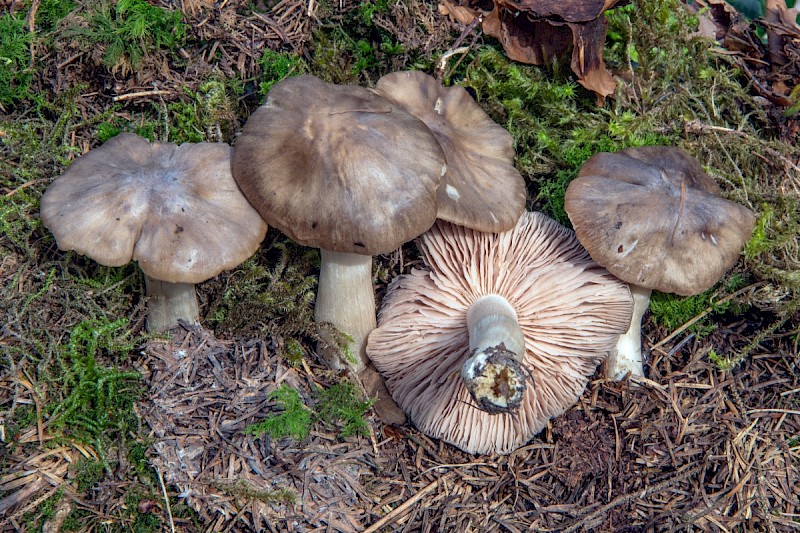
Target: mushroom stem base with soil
[(346, 299), (627, 354), (168, 303), (493, 373)]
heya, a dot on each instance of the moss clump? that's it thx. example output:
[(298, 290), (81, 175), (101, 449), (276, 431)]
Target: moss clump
[(15, 76), (341, 404), (87, 472), (293, 352), (363, 42), (338, 406), (672, 311), (276, 66), (129, 30), (35, 519), (294, 419), (279, 300), (556, 125), (97, 401)]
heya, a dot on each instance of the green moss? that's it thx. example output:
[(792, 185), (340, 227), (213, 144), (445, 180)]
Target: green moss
[(368, 10), (672, 311), (106, 130), (556, 125), (277, 300), (355, 47), (140, 463), (342, 405), (35, 519), (293, 352), (97, 401), (337, 406), (758, 242), (50, 13), (17, 71), (185, 122), (76, 520), (128, 30), (19, 418), (142, 522), (276, 66), (723, 362), (772, 251), (293, 420), (15, 76), (87, 472)]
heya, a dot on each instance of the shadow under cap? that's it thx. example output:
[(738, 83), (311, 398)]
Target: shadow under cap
[(653, 218)]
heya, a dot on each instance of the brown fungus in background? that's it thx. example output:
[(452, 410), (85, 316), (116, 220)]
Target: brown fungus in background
[(536, 31)]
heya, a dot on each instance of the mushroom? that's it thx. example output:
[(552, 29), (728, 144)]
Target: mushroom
[(531, 294), (174, 209), (656, 220), (340, 168), (481, 188)]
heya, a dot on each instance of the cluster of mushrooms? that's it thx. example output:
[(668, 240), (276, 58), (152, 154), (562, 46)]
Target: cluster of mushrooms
[(512, 315)]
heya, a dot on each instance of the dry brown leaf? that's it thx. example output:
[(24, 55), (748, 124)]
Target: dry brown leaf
[(538, 31), (708, 27), (461, 14)]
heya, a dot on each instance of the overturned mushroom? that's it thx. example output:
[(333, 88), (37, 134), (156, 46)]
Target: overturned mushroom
[(532, 295), (656, 220), (174, 209)]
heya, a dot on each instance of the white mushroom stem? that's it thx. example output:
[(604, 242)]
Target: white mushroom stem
[(493, 373), (627, 354), (168, 303), (346, 299)]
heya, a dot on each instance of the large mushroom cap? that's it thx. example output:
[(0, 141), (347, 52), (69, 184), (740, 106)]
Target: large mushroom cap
[(174, 209), (653, 218), (570, 311), (339, 167), (481, 188)]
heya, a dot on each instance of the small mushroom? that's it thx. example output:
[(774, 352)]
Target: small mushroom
[(481, 188), (656, 220), (532, 295), (340, 168), (174, 209)]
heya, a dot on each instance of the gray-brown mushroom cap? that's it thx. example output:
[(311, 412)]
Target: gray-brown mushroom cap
[(173, 208), (653, 218), (339, 167), (481, 188), (570, 311)]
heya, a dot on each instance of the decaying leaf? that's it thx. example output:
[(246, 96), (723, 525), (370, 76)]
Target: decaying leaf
[(537, 31)]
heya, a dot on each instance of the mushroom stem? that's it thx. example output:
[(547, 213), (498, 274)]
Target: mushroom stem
[(169, 303), (627, 354), (346, 299), (493, 373)]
